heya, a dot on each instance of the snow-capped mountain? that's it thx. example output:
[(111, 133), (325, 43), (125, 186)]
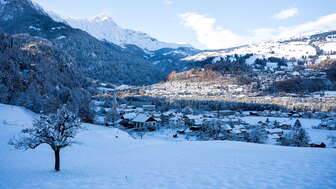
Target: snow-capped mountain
[(304, 47), (93, 58), (104, 28)]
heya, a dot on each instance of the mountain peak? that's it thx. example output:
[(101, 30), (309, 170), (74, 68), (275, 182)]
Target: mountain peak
[(102, 17), (103, 27)]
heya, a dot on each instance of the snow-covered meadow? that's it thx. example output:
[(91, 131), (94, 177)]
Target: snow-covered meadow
[(110, 158)]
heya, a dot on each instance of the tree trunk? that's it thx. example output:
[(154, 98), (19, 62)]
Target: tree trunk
[(57, 159)]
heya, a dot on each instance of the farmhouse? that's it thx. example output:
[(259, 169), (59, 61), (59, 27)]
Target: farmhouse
[(143, 120)]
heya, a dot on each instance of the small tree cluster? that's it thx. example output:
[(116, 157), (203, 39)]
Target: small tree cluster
[(212, 129), (297, 137), (257, 135)]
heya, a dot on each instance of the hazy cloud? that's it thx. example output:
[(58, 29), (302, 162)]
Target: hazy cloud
[(168, 2), (287, 13)]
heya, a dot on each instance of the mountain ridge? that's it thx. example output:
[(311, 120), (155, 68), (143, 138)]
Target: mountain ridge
[(94, 58), (103, 27)]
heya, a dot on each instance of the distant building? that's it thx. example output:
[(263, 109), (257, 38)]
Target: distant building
[(149, 107)]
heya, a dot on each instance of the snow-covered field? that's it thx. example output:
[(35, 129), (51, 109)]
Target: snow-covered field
[(109, 158)]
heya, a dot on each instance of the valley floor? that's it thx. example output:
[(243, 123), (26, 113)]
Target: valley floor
[(110, 158)]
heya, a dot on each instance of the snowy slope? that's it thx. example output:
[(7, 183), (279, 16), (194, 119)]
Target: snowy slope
[(103, 27), (106, 161), (287, 50), (298, 47)]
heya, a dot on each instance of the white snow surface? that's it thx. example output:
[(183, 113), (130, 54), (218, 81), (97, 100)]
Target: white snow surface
[(329, 47), (262, 50), (106, 161)]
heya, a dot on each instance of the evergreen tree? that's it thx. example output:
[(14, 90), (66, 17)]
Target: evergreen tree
[(300, 138), (296, 137), (297, 125)]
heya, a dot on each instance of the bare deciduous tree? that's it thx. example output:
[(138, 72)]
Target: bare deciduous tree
[(57, 130)]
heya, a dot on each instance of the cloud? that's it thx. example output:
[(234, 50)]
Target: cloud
[(287, 13), (324, 23), (208, 33), (168, 2), (213, 36)]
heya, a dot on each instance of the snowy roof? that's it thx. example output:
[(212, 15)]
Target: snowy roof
[(226, 120), (148, 106), (198, 121), (139, 109), (176, 118), (274, 130), (194, 117), (226, 111), (274, 136), (239, 127), (168, 112), (129, 116), (226, 127), (296, 73), (157, 115), (236, 131), (141, 118)]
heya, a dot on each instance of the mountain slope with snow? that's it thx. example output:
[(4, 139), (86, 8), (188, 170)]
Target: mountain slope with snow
[(94, 58), (104, 28), (110, 158), (304, 48)]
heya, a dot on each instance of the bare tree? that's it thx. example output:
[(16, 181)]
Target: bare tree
[(332, 140), (57, 130), (257, 135), (113, 115)]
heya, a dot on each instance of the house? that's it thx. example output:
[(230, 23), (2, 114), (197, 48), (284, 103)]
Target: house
[(125, 123), (285, 126), (144, 121), (275, 131), (176, 121), (129, 116), (226, 112), (235, 121), (236, 132), (122, 106), (274, 137), (187, 110), (226, 127), (148, 107), (193, 120), (141, 110)]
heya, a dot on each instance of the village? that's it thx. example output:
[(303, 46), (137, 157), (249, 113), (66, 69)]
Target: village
[(189, 123)]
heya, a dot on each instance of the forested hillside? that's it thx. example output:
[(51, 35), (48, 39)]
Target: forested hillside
[(35, 75)]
